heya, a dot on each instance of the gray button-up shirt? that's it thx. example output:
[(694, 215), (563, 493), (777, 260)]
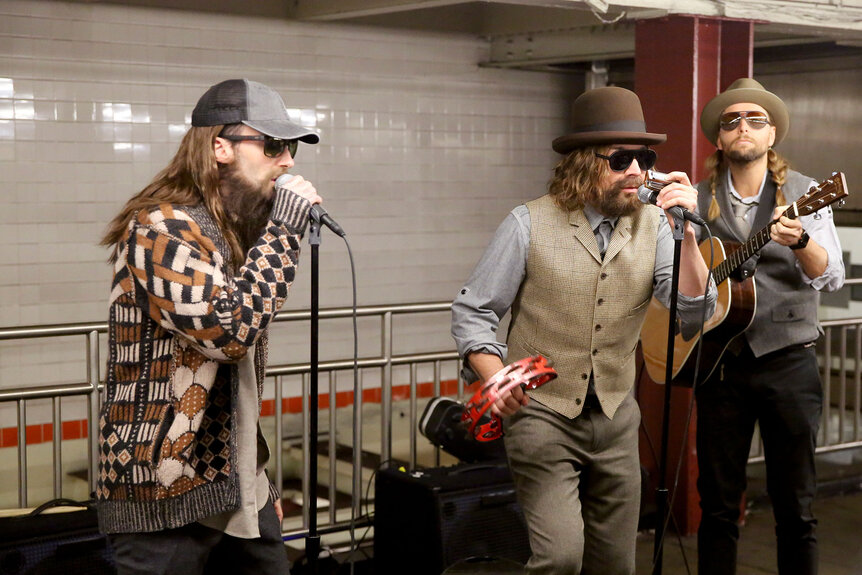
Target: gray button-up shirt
[(496, 279)]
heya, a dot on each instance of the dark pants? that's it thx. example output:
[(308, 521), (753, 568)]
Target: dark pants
[(782, 392), (194, 549)]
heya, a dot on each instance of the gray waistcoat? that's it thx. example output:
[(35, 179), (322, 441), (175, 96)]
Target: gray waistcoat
[(786, 311)]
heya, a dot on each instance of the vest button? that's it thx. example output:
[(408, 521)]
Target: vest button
[(584, 376), (600, 301), (577, 401), (604, 275), (595, 352), (598, 328)]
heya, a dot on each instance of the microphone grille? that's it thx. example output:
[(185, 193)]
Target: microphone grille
[(281, 181), (646, 195)]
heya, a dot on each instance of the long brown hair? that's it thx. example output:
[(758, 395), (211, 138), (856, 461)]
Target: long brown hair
[(715, 167), (578, 177), (191, 178)]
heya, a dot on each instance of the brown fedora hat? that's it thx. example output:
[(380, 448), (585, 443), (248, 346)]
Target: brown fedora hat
[(748, 91), (609, 115)]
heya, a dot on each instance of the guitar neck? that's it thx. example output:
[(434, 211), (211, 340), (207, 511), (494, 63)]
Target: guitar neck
[(740, 255)]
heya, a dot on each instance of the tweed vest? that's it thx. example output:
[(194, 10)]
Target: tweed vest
[(580, 311), (786, 309)]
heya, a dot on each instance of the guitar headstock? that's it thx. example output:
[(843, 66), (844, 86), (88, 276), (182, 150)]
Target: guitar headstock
[(827, 192)]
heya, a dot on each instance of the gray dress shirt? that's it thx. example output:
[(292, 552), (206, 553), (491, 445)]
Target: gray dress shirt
[(496, 279)]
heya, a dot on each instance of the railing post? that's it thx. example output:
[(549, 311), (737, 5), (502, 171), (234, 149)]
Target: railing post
[(356, 496), (279, 434), (857, 385), (842, 388), (436, 394), (56, 440), (22, 453), (333, 456), (306, 457), (93, 404), (386, 389), (412, 417), (827, 385)]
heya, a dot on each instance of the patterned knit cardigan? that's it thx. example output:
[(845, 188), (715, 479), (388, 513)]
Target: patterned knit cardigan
[(178, 324)]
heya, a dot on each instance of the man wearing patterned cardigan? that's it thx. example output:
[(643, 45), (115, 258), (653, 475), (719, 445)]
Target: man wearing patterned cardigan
[(578, 267), (203, 258)]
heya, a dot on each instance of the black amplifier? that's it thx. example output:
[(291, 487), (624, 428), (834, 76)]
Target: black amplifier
[(429, 519)]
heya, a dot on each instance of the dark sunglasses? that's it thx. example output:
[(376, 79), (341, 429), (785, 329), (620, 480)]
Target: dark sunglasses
[(620, 160), (731, 120), (272, 147)]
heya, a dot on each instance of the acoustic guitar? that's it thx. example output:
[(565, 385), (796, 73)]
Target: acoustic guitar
[(737, 300)]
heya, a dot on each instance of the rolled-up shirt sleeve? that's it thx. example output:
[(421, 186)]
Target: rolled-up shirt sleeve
[(490, 290), (821, 227), (690, 310)]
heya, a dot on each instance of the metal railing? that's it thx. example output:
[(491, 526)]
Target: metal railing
[(841, 427), (91, 390)]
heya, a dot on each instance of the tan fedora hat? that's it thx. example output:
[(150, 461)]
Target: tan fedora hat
[(609, 115), (748, 91)]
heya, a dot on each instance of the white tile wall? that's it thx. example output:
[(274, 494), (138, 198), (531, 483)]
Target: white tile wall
[(422, 152)]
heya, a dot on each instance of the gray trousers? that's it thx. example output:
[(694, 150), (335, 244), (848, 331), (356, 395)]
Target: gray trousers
[(578, 482)]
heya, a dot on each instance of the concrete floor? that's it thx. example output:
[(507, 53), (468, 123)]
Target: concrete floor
[(839, 536)]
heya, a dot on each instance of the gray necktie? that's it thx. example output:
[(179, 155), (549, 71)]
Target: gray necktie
[(740, 210), (603, 236)]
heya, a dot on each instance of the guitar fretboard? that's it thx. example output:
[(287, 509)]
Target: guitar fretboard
[(740, 255)]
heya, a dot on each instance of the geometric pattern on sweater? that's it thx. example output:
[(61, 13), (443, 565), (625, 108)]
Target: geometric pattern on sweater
[(178, 323)]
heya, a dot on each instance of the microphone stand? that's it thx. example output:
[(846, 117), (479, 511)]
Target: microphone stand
[(662, 511), (312, 540)]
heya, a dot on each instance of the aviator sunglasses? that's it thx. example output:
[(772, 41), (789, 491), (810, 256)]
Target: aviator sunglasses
[(620, 160), (731, 120), (272, 147)]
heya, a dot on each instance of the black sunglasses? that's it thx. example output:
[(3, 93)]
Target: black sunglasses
[(620, 160), (272, 147)]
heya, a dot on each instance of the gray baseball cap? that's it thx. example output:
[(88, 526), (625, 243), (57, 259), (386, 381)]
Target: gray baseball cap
[(251, 103)]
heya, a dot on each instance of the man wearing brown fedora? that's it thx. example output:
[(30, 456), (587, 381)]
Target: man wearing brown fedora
[(769, 374), (577, 267)]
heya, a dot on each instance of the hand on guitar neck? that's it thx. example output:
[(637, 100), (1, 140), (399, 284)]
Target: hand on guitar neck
[(788, 232)]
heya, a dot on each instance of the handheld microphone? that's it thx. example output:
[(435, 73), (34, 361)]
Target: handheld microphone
[(649, 196), (318, 214)]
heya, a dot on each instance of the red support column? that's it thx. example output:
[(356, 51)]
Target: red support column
[(681, 62)]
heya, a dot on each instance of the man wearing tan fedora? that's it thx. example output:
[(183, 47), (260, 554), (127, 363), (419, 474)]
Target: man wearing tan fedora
[(769, 374), (577, 267)]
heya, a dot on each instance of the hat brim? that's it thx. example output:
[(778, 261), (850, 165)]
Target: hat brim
[(284, 130), (773, 105), (569, 142)]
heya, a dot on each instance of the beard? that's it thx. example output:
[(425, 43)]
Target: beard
[(612, 202), (247, 205), (744, 156)]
